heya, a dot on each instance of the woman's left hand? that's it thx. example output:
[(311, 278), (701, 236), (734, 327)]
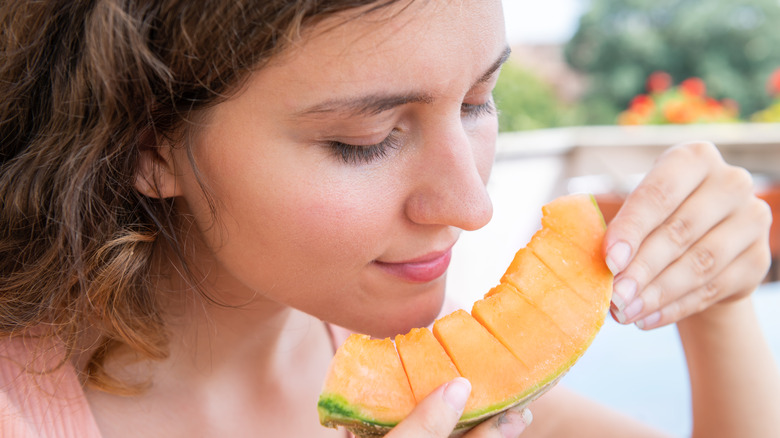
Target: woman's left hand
[(691, 235)]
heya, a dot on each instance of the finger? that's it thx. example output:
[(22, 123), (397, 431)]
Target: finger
[(729, 285), (719, 196), (509, 424), (437, 414), (677, 174), (704, 260)]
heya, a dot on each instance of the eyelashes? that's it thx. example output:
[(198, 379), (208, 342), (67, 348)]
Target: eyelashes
[(484, 109), (365, 154)]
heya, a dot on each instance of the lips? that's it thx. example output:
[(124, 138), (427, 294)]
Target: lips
[(421, 269)]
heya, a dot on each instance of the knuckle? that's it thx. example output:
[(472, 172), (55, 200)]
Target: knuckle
[(762, 257), (678, 230), (704, 150), (656, 193), (709, 292), (630, 225), (739, 179), (695, 150), (762, 212), (701, 260)]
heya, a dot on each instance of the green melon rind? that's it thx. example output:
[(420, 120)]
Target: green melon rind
[(335, 410), (598, 210)]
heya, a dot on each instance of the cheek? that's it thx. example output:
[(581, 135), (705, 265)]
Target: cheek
[(286, 235)]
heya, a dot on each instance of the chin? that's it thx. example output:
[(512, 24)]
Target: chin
[(390, 313), (419, 312)]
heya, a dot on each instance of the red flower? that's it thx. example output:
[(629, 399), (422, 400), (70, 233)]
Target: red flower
[(773, 85), (642, 104), (658, 82), (693, 87)]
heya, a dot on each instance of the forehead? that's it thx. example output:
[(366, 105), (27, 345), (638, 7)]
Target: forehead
[(423, 43)]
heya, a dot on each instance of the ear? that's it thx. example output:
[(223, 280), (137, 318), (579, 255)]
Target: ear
[(155, 175)]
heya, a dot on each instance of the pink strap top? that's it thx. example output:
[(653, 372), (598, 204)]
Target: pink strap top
[(48, 402)]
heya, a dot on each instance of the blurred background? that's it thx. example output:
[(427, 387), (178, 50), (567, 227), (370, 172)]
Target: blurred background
[(578, 62), (594, 91)]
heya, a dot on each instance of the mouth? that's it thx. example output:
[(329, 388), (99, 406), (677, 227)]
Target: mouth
[(421, 269)]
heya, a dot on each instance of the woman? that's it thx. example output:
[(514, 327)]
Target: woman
[(190, 191)]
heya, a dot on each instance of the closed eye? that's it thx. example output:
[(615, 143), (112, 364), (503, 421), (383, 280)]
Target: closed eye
[(475, 111), (365, 154)]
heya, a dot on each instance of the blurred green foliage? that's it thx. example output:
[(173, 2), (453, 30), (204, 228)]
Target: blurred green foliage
[(733, 45), (526, 101)]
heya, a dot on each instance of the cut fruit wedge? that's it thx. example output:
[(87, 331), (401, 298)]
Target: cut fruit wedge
[(517, 342)]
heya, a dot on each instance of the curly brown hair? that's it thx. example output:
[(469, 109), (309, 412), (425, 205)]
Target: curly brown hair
[(85, 84)]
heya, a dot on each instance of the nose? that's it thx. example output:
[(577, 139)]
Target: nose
[(452, 174)]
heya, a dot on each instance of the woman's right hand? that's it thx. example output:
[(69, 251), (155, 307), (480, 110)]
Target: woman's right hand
[(437, 415)]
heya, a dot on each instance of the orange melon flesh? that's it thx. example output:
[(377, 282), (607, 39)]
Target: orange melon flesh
[(536, 282), (366, 386), (533, 338), (498, 379), (573, 219), (517, 342), (584, 271), (426, 363)]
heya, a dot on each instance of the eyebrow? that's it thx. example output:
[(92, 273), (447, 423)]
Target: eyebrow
[(373, 104)]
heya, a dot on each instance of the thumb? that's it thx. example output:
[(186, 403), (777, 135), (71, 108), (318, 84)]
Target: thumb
[(437, 414)]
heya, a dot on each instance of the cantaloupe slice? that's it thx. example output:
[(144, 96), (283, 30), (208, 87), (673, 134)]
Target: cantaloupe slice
[(531, 278), (534, 338), (366, 386), (426, 363), (583, 271), (498, 379), (517, 342)]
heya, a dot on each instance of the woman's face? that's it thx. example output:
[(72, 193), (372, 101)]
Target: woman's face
[(344, 171)]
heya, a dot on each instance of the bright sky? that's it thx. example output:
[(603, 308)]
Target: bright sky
[(542, 21)]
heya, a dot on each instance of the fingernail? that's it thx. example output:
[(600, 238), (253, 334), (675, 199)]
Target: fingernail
[(633, 309), (617, 257), (512, 423), (650, 321), (528, 417), (620, 316), (456, 393), (623, 291)]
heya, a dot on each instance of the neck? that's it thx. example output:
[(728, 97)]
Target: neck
[(237, 332)]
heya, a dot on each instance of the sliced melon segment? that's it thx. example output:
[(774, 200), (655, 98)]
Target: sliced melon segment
[(573, 218), (517, 343), (584, 271), (426, 363), (367, 389), (532, 337), (535, 281), (498, 379)]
